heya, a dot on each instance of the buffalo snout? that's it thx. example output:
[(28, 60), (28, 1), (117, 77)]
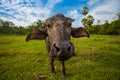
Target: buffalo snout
[(62, 50)]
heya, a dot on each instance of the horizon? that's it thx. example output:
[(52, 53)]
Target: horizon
[(25, 12)]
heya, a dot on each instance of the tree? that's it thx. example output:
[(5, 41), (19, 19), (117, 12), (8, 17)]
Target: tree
[(85, 10), (118, 15), (36, 25), (84, 21), (98, 22), (87, 21), (90, 20), (115, 27)]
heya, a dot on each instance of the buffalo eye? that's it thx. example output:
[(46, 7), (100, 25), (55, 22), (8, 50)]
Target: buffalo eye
[(70, 24), (48, 25)]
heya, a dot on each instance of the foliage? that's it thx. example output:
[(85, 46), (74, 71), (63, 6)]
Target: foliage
[(97, 59), (85, 10), (87, 21), (118, 15), (112, 28), (7, 27), (107, 28), (37, 24)]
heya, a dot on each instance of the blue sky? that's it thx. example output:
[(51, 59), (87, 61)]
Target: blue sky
[(25, 12)]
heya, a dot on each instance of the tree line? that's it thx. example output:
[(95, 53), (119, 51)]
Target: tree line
[(107, 28), (8, 27), (113, 28)]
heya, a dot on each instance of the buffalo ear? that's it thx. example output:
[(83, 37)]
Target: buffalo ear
[(37, 34), (79, 32)]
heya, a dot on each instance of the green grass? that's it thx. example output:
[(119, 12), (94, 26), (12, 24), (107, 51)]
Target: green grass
[(98, 58)]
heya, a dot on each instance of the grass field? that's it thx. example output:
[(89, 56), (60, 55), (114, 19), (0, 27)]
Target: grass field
[(98, 58)]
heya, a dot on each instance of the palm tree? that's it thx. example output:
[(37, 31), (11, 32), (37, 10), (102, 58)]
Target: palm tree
[(87, 21), (118, 15), (90, 20), (85, 10), (84, 21), (98, 22)]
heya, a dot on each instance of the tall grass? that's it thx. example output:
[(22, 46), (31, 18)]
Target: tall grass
[(98, 58)]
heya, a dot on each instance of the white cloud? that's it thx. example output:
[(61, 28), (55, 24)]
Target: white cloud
[(75, 15), (51, 3), (26, 11), (91, 2), (106, 11)]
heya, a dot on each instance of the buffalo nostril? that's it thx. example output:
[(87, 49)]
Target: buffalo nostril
[(69, 48), (56, 47)]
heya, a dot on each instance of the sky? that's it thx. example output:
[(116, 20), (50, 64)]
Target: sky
[(25, 12)]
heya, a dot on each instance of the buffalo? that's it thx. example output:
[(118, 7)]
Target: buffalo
[(57, 33)]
